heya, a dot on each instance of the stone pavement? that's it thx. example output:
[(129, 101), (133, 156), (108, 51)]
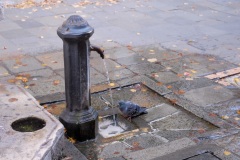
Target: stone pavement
[(180, 49)]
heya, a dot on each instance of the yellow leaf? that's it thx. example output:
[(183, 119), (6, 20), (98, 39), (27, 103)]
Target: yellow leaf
[(24, 79), (117, 66), (72, 140), (236, 80), (193, 71), (238, 111), (45, 106), (225, 117), (26, 87), (44, 64), (56, 82), (226, 153), (19, 78), (133, 90), (111, 84)]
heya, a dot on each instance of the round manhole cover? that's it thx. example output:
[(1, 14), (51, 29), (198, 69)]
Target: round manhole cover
[(29, 124)]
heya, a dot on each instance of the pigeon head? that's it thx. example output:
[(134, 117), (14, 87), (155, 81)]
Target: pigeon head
[(121, 103)]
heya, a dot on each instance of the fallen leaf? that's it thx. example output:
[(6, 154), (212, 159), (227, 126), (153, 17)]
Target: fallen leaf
[(111, 84), (159, 83), (169, 87), (212, 114), (236, 80), (201, 130), (152, 60), (43, 64), (133, 90), (24, 79), (180, 54), (211, 59), (12, 80), (238, 111), (180, 92), (45, 106), (226, 153), (26, 87), (225, 117), (116, 152), (56, 82), (180, 75), (173, 101), (129, 47), (193, 71), (72, 140), (12, 100)]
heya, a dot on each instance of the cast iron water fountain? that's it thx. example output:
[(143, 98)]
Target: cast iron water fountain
[(79, 118)]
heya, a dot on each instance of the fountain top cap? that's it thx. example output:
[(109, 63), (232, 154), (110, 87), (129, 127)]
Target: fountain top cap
[(75, 27)]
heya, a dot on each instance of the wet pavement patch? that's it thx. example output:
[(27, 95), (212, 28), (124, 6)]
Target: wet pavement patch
[(165, 122)]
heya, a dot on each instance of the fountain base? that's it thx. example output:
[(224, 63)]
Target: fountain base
[(80, 126)]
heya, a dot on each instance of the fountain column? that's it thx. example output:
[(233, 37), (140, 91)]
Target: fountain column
[(79, 118)]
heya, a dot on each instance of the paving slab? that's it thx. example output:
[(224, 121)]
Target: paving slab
[(96, 77), (230, 143), (187, 85), (144, 141), (115, 149), (130, 60), (23, 64), (7, 25), (120, 74), (46, 86), (167, 148), (98, 64), (16, 104), (156, 51), (29, 23), (158, 112), (146, 68), (165, 77), (208, 95), (193, 152), (52, 60), (16, 33), (182, 121)]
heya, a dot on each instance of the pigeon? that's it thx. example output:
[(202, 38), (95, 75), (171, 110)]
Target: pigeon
[(130, 109)]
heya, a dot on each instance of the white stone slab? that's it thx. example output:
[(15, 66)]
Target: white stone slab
[(16, 103)]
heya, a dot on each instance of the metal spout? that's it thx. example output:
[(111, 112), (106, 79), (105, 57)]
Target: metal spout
[(98, 50)]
